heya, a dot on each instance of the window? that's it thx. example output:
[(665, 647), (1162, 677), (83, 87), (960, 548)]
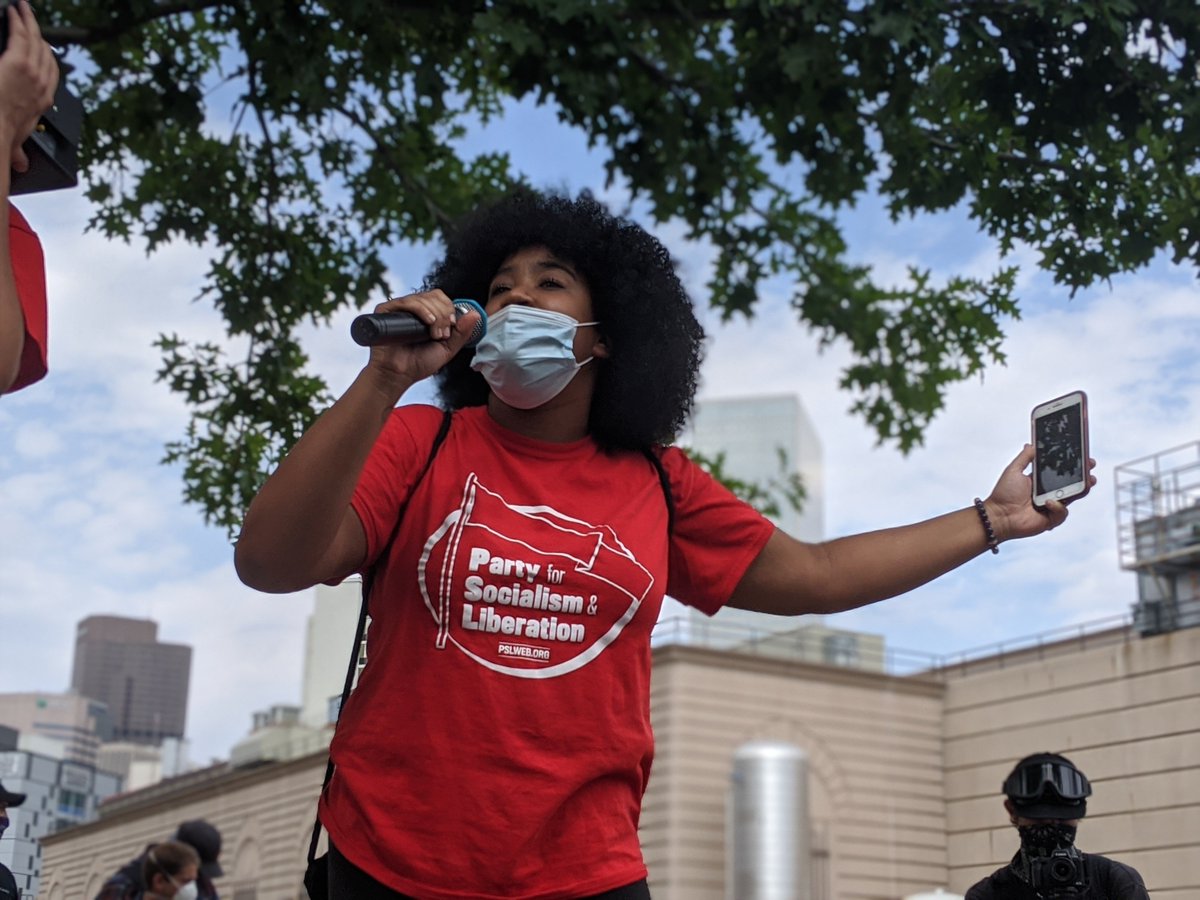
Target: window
[(840, 649), (72, 803)]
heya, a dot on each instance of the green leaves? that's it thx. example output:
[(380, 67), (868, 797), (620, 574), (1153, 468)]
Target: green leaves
[(298, 138)]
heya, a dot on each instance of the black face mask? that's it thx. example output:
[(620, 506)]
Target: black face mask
[(1041, 840)]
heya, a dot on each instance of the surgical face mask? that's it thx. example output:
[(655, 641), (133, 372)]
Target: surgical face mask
[(1041, 840), (189, 891), (528, 355)]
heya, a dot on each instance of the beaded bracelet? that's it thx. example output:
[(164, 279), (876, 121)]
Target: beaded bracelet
[(993, 544)]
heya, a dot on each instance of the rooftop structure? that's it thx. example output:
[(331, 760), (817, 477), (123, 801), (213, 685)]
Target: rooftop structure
[(1158, 536)]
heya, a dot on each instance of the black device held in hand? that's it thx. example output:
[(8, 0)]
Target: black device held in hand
[(1060, 875), (53, 148), (405, 328), (1060, 441)]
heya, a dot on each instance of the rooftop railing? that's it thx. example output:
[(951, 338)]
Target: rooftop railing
[(868, 652)]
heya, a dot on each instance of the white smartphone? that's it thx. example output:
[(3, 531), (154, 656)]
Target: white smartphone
[(1060, 440)]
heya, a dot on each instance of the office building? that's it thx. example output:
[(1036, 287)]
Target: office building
[(59, 793), (766, 441), (328, 637), (77, 723), (144, 682)]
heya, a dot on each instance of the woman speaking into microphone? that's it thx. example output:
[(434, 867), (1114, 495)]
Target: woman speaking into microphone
[(498, 742)]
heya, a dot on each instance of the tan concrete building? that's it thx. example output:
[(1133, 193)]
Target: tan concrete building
[(904, 772)]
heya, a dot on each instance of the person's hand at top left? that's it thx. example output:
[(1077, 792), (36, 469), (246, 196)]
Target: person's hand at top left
[(28, 79)]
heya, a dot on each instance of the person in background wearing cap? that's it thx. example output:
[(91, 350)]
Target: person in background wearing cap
[(128, 882), (8, 884), (1046, 796), (207, 841)]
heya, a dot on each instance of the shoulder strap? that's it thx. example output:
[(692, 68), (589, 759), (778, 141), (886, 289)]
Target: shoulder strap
[(360, 629), (369, 575), (666, 487)]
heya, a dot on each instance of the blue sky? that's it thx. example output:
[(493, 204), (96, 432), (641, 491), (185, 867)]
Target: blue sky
[(92, 523)]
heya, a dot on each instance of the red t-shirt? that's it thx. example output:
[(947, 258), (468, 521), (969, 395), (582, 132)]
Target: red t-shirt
[(29, 275), (498, 743)]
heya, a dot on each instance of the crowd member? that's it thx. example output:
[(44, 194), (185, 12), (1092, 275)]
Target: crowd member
[(129, 882), (169, 872), (498, 743), (1045, 796), (8, 884), (28, 77)]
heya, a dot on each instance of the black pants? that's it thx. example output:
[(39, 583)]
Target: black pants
[(348, 882)]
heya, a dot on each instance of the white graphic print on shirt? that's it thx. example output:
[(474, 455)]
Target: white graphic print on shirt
[(525, 590)]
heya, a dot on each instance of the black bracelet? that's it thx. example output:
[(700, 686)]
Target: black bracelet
[(993, 544)]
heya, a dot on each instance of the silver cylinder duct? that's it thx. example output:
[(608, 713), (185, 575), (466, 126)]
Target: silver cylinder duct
[(767, 824)]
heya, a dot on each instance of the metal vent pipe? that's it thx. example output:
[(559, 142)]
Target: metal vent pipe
[(767, 824)]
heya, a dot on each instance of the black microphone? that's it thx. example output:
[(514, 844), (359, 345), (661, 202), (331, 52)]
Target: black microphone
[(406, 328)]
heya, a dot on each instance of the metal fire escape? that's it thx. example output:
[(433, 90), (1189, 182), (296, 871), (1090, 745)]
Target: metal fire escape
[(1158, 536)]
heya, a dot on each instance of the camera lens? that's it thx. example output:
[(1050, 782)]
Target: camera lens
[(1062, 871)]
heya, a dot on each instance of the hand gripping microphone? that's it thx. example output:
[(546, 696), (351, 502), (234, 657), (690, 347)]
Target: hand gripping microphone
[(406, 328)]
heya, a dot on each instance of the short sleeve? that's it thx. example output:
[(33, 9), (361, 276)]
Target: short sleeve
[(391, 469), (714, 538), (29, 275)]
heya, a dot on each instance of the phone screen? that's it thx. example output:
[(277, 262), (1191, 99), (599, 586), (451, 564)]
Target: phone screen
[(1059, 440)]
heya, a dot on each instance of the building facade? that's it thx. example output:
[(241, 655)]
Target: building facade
[(904, 772), (142, 681)]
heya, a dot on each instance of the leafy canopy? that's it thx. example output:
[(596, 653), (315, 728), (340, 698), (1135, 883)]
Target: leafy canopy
[(298, 138)]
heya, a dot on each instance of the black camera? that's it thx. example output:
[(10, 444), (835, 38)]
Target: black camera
[(1062, 874), (53, 148)]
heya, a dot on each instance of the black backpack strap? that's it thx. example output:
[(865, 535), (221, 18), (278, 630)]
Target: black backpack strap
[(369, 575), (358, 637), (360, 630), (666, 487)]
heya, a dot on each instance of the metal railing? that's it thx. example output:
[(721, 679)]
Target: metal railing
[(809, 645)]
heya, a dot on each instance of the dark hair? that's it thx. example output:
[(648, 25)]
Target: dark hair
[(645, 388), (168, 858)]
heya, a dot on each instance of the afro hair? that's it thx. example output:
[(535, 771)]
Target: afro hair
[(646, 386)]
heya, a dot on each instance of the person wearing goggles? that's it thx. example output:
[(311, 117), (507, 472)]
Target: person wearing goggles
[(1045, 796)]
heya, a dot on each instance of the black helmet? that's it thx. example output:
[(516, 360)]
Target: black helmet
[(1048, 786)]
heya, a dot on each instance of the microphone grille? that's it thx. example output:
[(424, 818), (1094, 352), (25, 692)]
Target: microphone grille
[(462, 307)]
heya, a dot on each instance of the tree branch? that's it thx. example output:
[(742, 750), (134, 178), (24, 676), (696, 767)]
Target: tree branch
[(63, 35), (445, 221)]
